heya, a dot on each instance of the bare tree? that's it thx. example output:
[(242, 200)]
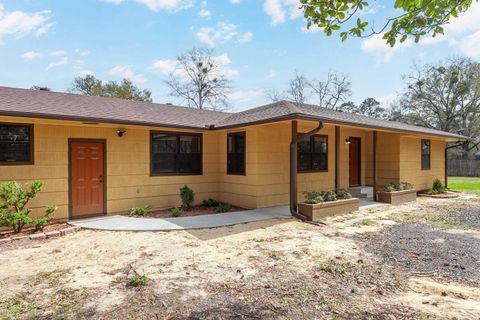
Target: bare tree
[(298, 88), (200, 80), (274, 95), (332, 92), (445, 96)]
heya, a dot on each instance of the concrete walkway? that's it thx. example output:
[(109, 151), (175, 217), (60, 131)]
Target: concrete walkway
[(125, 223)]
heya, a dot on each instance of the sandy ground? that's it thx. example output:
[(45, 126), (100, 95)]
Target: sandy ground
[(271, 269)]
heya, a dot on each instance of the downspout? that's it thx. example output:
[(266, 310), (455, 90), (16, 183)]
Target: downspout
[(459, 144), (293, 166)]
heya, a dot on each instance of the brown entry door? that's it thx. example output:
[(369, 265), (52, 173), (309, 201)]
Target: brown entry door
[(355, 156), (87, 192)]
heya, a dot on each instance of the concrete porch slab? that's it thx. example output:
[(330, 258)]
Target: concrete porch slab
[(125, 223)]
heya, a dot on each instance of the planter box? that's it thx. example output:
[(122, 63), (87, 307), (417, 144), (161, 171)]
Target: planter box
[(397, 197), (325, 209)]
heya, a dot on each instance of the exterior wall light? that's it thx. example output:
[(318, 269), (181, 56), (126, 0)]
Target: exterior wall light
[(348, 141), (121, 132)]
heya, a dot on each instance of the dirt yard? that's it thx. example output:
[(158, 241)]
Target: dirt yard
[(416, 261)]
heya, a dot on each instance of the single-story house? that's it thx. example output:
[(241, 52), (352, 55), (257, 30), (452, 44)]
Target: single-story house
[(101, 156)]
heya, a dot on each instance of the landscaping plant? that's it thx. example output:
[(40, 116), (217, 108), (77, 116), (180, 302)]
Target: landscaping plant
[(395, 186), (313, 197), (437, 188), (176, 212), (343, 194), (140, 211), (211, 202), (223, 207), (138, 280), (14, 212), (188, 197)]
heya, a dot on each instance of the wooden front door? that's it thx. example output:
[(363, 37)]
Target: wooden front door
[(355, 161), (87, 178)]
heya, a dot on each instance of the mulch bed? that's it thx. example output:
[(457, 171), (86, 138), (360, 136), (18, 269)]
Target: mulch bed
[(30, 231), (195, 211), (422, 251), (448, 195)]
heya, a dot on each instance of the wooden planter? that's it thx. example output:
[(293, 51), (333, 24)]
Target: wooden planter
[(397, 197), (325, 209)]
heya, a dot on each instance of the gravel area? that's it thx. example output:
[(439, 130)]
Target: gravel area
[(468, 217), (421, 250)]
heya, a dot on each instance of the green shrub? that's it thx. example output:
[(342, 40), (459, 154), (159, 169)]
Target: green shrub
[(41, 222), (211, 202), (14, 199), (223, 207), (438, 187), (328, 196), (392, 186), (313, 197), (343, 194), (188, 197), (140, 211), (176, 212), (406, 186), (138, 280)]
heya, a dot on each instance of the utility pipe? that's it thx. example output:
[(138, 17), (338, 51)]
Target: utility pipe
[(293, 167)]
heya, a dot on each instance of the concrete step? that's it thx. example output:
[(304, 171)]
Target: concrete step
[(361, 192)]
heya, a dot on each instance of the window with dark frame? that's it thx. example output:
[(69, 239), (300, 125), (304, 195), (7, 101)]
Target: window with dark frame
[(175, 153), (312, 154), (426, 151), (16, 144), (236, 153)]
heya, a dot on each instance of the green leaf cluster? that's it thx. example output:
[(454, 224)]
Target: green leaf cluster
[(14, 210), (416, 18)]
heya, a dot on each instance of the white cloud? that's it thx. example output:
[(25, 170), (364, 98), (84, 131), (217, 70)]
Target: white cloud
[(157, 5), (30, 55), (387, 100), (221, 33), (58, 53), (168, 66), (87, 73), (61, 62), (19, 23), (246, 95), (381, 50), (278, 10), (470, 45), (127, 73), (82, 52), (204, 13), (273, 74), (245, 37)]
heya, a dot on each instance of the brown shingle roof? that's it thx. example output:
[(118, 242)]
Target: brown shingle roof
[(66, 106), (286, 109), (46, 104)]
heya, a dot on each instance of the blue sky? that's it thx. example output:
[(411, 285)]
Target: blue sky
[(260, 43)]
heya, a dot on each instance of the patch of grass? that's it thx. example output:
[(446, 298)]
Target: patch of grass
[(176, 212), (368, 222), (437, 220), (138, 280), (465, 184), (258, 239)]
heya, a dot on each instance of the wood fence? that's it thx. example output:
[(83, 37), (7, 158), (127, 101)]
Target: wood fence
[(463, 168)]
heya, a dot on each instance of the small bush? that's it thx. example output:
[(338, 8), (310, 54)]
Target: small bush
[(176, 212), (138, 280), (223, 207), (392, 186), (211, 202), (41, 222), (438, 186), (329, 196), (140, 211), (313, 197), (343, 194), (14, 199), (188, 197), (407, 186)]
